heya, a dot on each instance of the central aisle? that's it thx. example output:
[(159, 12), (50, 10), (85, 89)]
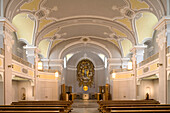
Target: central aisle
[(85, 106)]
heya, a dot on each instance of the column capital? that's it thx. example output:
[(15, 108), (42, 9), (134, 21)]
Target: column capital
[(7, 23), (7, 29), (57, 63), (114, 62), (138, 52), (162, 22), (31, 50), (137, 48)]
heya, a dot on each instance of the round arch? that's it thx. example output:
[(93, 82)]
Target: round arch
[(81, 20), (90, 42)]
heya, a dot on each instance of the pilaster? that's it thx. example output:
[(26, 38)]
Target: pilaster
[(6, 31), (134, 70), (32, 56), (36, 59), (161, 28)]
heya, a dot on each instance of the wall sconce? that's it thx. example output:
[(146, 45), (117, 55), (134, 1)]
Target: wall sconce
[(113, 75), (38, 76), (40, 66), (11, 66), (159, 64), (130, 65), (56, 74), (132, 74)]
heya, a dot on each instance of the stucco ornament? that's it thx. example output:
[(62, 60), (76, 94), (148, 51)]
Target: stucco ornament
[(161, 40)]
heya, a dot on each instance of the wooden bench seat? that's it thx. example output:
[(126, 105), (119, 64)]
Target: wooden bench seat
[(132, 105), (41, 102), (108, 109), (61, 106), (31, 112), (65, 104), (140, 111), (60, 109), (124, 103)]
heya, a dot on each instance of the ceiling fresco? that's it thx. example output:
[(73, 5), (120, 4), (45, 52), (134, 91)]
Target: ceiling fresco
[(113, 21)]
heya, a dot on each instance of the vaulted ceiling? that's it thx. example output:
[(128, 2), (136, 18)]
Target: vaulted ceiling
[(60, 27)]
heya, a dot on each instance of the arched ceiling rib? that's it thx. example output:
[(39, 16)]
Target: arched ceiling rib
[(108, 49), (84, 48), (83, 21), (73, 61)]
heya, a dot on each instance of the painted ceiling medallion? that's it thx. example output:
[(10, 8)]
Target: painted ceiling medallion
[(85, 39), (127, 12), (85, 73), (111, 36), (58, 36), (41, 14)]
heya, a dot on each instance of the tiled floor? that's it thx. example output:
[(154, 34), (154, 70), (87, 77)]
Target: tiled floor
[(81, 106)]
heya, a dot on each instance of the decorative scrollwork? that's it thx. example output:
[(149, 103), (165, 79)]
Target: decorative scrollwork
[(85, 73)]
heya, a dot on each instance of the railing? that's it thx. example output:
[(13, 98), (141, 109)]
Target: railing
[(121, 70), (2, 51), (20, 60), (168, 49), (151, 58), (48, 70)]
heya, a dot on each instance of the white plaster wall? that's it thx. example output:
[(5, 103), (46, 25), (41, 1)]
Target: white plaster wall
[(28, 88), (1, 93), (16, 90), (168, 87), (71, 80), (47, 90), (156, 89), (101, 78), (154, 86), (122, 89), (168, 91)]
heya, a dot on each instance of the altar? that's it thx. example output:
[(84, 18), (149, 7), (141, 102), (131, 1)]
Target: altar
[(85, 96)]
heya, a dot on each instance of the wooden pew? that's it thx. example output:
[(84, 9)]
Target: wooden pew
[(133, 106), (109, 109), (104, 104), (61, 103), (30, 112), (41, 102), (23, 109), (140, 111), (129, 101), (65, 106)]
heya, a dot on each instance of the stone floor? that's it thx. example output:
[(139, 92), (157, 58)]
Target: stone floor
[(85, 106)]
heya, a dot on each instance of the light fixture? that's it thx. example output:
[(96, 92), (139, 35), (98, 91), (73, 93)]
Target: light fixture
[(10, 66), (159, 64), (40, 66), (130, 65), (113, 75), (56, 74)]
